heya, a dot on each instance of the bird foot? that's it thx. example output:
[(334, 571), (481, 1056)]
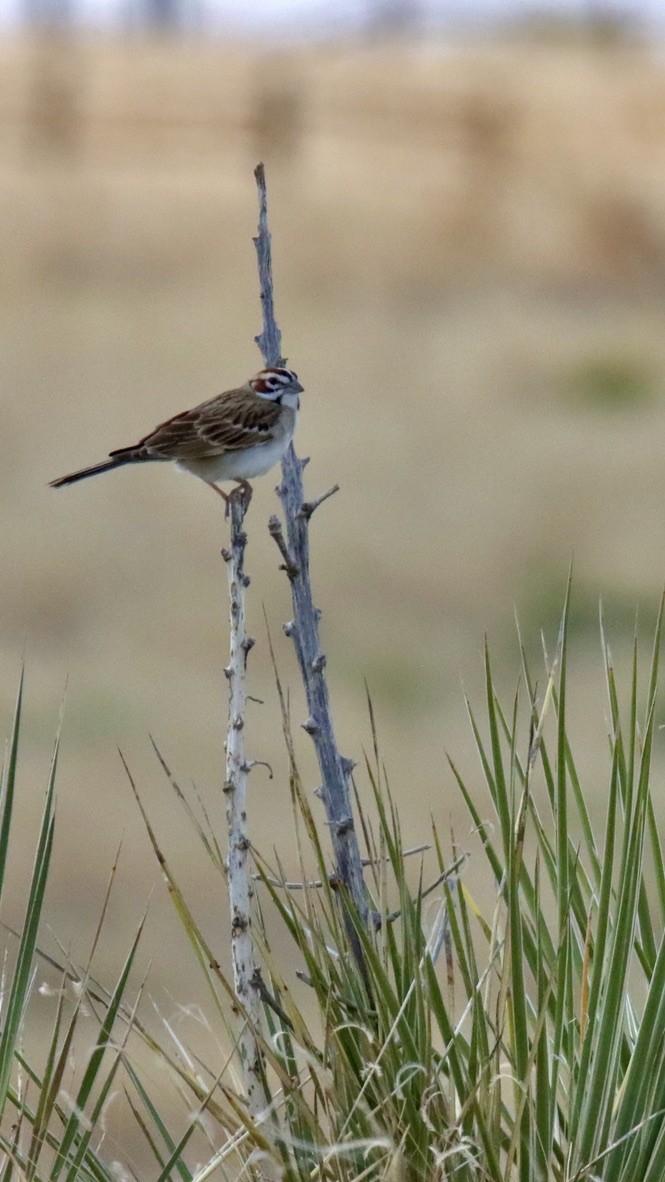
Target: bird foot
[(241, 493)]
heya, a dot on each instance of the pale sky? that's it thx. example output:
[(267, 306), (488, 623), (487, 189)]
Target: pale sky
[(310, 15)]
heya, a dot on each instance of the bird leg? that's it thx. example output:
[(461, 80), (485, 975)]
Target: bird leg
[(243, 490), (223, 495)]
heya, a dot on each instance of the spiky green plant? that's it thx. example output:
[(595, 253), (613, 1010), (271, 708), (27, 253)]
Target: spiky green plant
[(46, 1130), (517, 1038), (526, 1041)]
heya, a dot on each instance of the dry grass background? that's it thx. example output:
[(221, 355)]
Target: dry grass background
[(470, 266)]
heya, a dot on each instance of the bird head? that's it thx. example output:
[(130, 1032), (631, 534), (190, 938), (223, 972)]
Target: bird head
[(277, 385)]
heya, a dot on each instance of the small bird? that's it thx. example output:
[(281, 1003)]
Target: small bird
[(237, 435)]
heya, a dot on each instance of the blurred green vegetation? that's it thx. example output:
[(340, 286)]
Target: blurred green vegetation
[(612, 383), (622, 613)]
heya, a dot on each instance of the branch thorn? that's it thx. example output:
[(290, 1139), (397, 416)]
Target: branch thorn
[(309, 507)]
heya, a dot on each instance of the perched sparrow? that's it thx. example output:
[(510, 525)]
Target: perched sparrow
[(235, 436)]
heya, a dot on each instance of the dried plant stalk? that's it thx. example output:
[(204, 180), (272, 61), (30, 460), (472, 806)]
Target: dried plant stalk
[(304, 628), (245, 976)]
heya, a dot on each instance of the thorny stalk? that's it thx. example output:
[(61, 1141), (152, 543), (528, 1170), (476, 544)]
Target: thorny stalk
[(335, 769), (245, 975)]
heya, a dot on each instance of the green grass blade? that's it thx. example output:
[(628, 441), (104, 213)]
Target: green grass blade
[(9, 782), (75, 1125), (21, 979), (159, 1124)]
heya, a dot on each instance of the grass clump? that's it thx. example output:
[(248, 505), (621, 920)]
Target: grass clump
[(508, 1041)]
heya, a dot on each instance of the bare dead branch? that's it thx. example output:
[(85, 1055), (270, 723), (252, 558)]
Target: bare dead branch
[(446, 874), (275, 531), (235, 787), (309, 507), (269, 339), (304, 628), (317, 883)]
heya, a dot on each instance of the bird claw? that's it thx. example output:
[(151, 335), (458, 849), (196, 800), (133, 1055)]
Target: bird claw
[(241, 493)]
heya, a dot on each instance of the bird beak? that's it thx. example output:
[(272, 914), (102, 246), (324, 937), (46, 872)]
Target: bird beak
[(298, 389)]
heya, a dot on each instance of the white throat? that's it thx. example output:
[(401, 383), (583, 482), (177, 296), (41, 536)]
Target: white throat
[(290, 399), (284, 398)]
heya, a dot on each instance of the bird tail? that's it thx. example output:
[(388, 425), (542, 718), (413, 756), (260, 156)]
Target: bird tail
[(72, 477)]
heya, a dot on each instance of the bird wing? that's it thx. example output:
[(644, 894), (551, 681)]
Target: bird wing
[(232, 421)]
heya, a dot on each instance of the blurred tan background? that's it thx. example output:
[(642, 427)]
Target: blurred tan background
[(469, 250)]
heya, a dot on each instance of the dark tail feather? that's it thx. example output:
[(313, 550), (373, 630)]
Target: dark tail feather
[(115, 462)]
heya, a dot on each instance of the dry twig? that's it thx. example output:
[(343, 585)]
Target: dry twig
[(245, 976), (304, 628)]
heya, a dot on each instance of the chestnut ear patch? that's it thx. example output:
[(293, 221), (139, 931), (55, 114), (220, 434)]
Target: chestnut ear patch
[(271, 383)]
